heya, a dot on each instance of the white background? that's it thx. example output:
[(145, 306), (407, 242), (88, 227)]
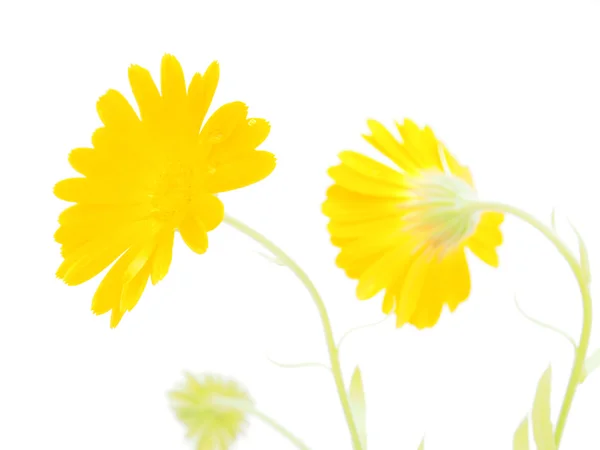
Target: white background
[(513, 89)]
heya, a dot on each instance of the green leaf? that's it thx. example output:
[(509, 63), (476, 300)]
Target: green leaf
[(545, 325), (521, 436), (272, 259), (543, 432), (422, 446), (358, 406), (553, 219), (591, 364), (584, 260)]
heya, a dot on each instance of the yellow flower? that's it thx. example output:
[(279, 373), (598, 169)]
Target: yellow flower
[(213, 410), (146, 176), (405, 230)]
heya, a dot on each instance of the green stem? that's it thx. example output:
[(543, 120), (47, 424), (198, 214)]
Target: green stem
[(298, 365), (331, 347), (249, 409), (584, 340), (539, 323), (268, 420), (361, 327)]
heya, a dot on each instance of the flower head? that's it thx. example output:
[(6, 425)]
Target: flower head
[(146, 176), (213, 410), (405, 229)]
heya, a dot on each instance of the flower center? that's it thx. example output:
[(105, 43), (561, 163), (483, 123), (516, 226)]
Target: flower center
[(173, 192), (437, 210)]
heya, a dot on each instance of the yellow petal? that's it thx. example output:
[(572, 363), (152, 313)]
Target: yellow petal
[(221, 125), (108, 294), (70, 189), (248, 135), (134, 288), (456, 168), (358, 212), (454, 279), (426, 315), (145, 92), (200, 95), (161, 260), (385, 226), (88, 191), (114, 293), (368, 167), (139, 262), (82, 223), (114, 167), (92, 257), (120, 165), (382, 272), (356, 268), (367, 245), (487, 237), (448, 282), (387, 144), (126, 150), (209, 210), (242, 172), (340, 195), (483, 251), (412, 286), (488, 228), (355, 207), (356, 182), (194, 234), (115, 317), (340, 242), (422, 145), (389, 301), (172, 84), (105, 216), (83, 160), (116, 112)]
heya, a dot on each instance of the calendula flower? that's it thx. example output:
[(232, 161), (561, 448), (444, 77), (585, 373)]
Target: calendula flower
[(213, 410), (405, 229), (146, 176)]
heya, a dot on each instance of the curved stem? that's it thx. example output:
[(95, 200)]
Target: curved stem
[(539, 323), (283, 431), (331, 347), (584, 340), (249, 409), (298, 365), (360, 327)]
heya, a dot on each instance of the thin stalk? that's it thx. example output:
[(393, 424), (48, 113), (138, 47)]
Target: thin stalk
[(584, 340), (331, 347), (250, 409)]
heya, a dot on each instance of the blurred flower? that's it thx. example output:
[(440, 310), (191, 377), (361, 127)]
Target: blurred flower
[(145, 177), (405, 230), (212, 409)]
